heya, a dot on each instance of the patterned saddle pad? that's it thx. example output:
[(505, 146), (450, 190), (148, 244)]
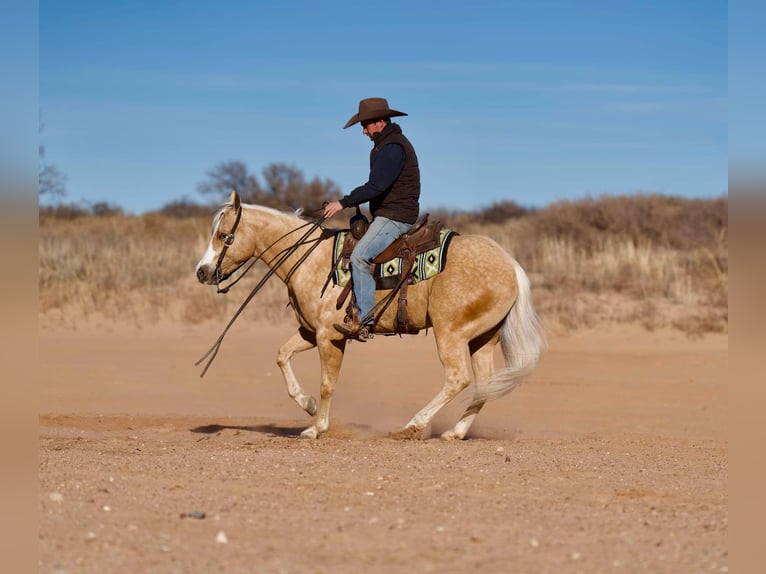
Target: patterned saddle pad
[(427, 264)]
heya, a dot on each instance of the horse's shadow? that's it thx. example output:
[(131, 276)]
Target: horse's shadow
[(287, 431), (268, 429)]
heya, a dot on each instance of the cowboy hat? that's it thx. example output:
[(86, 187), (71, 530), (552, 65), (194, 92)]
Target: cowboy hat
[(372, 109)]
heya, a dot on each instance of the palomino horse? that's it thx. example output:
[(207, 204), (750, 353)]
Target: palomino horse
[(482, 297)]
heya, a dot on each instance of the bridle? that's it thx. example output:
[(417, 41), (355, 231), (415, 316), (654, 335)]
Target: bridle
[(228, 240)]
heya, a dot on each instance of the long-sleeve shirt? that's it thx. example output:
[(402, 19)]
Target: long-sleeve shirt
[(387, 167)]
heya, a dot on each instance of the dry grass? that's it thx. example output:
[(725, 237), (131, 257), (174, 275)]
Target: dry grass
[(139, 269), (652, 260), (649, 259)]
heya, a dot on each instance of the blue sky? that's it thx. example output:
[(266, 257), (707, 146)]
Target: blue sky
[(525, 101)]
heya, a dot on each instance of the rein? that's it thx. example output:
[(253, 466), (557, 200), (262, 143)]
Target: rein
[(281, 257), (225, 289)]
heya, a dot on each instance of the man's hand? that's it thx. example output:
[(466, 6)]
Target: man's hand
[(332, 208)]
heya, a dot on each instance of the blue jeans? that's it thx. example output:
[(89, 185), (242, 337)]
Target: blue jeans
[(380, 235)]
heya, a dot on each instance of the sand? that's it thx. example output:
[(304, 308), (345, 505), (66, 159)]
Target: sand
[(611, 457)]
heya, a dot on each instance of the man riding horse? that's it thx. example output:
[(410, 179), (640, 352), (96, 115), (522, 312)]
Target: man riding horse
[(393, 191)]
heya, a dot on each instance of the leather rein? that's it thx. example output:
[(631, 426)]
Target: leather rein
[(274, 264)]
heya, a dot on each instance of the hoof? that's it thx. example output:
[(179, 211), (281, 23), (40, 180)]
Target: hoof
[(407, 433), (310, 433), (311, 406), (451, 435)]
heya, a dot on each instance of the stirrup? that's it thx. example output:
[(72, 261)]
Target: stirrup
[(358, 333)]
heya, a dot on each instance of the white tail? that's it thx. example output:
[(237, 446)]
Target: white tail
[(522, 339)]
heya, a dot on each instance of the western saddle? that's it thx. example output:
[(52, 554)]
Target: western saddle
[(423, 236)]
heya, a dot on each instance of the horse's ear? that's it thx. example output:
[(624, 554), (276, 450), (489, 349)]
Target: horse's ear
[(234, 199)]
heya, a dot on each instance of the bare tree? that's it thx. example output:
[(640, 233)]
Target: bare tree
[(51, 181), (284, 186), (230, 175)]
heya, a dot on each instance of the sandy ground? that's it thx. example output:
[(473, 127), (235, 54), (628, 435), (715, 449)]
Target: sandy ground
[(611, 457)]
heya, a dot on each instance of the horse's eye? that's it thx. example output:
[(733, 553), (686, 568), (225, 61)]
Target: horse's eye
[(227, 238)]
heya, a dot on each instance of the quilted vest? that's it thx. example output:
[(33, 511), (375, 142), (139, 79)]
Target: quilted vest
[(401, 201)]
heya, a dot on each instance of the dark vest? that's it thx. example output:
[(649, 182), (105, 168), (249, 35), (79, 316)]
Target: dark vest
[(401, 201)]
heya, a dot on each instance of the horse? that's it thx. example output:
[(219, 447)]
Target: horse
[(481, 297)]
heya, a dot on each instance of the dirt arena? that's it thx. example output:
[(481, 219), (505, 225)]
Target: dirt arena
[(611, 457)]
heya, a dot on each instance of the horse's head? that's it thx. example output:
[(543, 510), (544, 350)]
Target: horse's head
[(224, 254)]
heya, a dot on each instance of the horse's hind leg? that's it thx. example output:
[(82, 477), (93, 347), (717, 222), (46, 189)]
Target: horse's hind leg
[(482, 360), (452, 353), (300, 341)]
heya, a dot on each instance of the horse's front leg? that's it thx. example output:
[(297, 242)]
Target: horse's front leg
[(301, 341), (330, 359)]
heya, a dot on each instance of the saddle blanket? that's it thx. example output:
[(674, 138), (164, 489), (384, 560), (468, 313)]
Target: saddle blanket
[(427, 264)]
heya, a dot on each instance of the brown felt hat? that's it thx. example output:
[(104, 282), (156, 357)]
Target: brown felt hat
[(372, 109)]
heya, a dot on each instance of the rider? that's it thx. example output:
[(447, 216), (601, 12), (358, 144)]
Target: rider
[(393, 190)]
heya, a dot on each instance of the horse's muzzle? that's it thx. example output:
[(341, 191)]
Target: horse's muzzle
[(203, 276)]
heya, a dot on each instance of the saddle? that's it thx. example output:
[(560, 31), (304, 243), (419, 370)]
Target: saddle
[(423, 236)]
